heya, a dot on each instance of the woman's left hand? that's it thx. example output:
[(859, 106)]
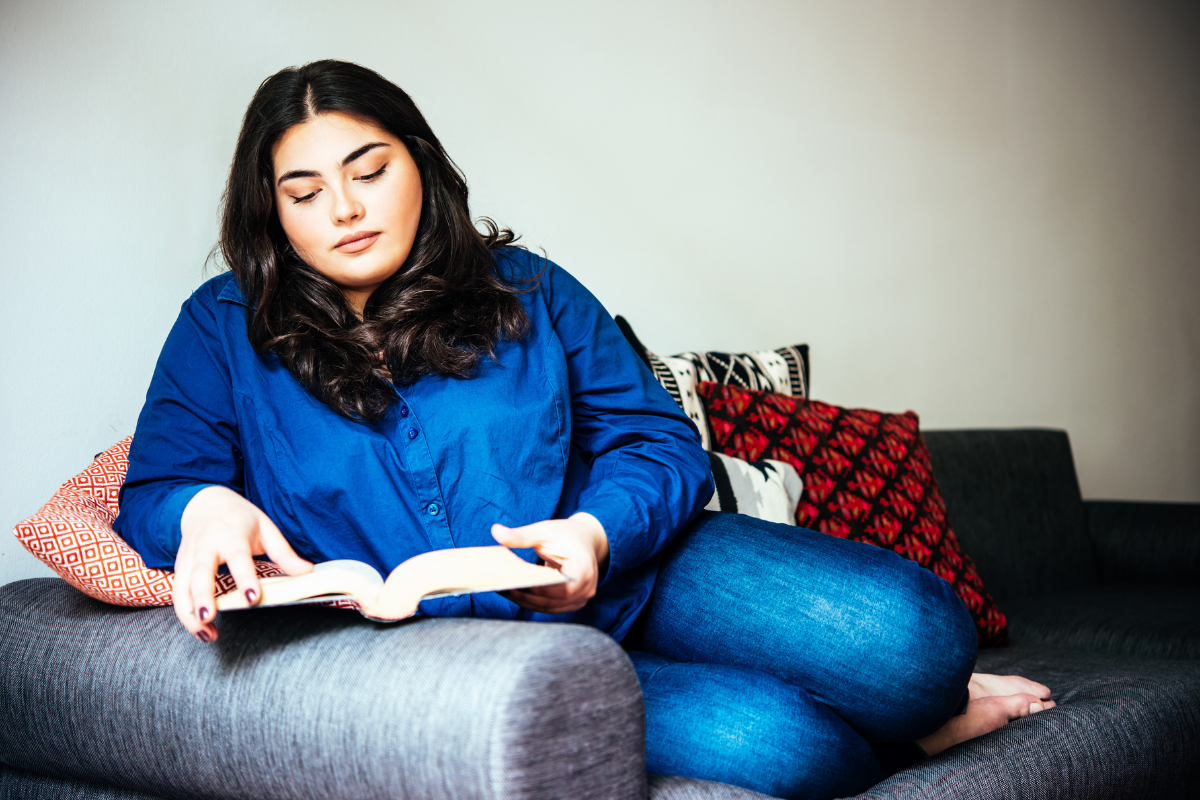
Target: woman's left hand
[(576, 546)]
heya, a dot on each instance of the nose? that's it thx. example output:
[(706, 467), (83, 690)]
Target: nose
[(346, 207)]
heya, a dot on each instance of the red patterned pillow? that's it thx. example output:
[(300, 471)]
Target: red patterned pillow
[(73, 535), (867, 476)]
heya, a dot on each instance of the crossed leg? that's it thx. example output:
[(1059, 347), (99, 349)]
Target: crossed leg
[(766, 638)]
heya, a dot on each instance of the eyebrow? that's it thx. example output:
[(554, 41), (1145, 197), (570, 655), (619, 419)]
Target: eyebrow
[(308, 173)]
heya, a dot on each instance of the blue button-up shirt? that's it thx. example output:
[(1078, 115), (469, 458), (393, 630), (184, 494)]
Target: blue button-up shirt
[(566, 419)]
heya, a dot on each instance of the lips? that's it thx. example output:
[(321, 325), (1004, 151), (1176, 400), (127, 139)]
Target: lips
[(356, 242)]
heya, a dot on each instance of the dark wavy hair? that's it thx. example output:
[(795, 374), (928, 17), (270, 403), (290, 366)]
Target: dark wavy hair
[(442, 311)]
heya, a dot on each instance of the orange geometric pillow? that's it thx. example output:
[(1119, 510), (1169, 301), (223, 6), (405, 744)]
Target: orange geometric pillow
[(73, 535)]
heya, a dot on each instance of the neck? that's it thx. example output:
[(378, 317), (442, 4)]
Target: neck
[(357, 298)]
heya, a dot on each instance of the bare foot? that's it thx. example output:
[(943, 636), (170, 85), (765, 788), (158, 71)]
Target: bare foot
[(983, 716), (983, 685)]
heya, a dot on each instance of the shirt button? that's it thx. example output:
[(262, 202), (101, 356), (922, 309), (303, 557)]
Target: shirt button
[(412, 433), (404, 411), (434, 509)]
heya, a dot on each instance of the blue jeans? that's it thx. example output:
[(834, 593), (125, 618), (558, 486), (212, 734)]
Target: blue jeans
[(782, 660)]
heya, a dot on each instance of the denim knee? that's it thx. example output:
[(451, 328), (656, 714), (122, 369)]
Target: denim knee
[(932, 626), (878, 638), (747, 728)]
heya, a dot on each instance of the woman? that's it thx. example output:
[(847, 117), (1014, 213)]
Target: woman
[(378, 378)]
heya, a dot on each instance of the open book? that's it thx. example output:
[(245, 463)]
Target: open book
[(462, 570)]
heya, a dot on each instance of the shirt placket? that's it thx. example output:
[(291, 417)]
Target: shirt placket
[(431, 505)]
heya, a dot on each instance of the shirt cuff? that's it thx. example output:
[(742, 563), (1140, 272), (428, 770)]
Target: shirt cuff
[(622, 524), (170, 534)]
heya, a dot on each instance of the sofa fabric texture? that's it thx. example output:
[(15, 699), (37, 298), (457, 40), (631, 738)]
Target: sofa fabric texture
[(17, 784), (1014, 498), (670, 787), (433, 708), (20, 785), (1123, 728), (1145, 543), (1116, 577), (1125, 619), (475, 708)]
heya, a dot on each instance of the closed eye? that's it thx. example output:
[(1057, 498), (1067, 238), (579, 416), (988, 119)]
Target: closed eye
[(306, 197), (377, 173)]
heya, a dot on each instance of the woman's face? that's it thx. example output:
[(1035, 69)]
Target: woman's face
[(349, 199)]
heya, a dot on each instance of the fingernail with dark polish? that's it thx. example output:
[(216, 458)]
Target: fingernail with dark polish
[(203, 613), (203, 636), (251, 595)]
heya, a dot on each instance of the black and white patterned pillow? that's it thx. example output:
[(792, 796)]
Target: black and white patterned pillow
[(784, 370), (765, 489)]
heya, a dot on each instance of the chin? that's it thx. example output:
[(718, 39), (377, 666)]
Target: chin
[(365, 275)]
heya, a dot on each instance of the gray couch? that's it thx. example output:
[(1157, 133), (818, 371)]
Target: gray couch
[(1103, 600)]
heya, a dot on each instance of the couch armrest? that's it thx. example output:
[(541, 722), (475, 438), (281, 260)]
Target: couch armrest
[(1139, 542), (314, 702)]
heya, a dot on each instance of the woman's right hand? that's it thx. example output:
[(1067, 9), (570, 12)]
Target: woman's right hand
[(220, 526)]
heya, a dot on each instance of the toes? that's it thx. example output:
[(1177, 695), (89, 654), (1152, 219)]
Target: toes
[(1041, 705), (1019, 705), (986, 685), (1019, 685), (1042, 692)]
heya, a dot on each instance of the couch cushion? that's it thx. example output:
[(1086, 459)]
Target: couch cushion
[(1015, 503), (313, 702), (670, 787), (1123, 728), (1136, 620), (1145, 542), (20, 785), (17, 784)]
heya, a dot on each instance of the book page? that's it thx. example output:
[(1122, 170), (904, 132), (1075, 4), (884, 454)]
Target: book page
[(329, 580), (462, 570)]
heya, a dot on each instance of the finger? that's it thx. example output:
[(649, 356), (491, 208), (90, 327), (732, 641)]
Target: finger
[(557, 591), (544, 600), (515, 537), (548, 608), (577, 571), (553, 603), (181, 594), (241, 567), (542, 604), (203, 590), (278, 549)]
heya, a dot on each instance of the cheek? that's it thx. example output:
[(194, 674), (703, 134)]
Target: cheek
[(406, 203), (402, 209), (299, 229)]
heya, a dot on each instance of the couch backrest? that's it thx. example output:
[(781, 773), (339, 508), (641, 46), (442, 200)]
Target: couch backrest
[(1014, 501)]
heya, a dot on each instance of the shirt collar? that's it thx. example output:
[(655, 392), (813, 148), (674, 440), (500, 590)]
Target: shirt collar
[(231, 293)]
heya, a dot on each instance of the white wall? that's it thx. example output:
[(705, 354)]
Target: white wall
[(985, 211)]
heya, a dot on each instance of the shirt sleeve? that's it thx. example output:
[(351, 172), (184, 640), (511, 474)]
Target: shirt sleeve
[(186, 437), (649, 474)]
